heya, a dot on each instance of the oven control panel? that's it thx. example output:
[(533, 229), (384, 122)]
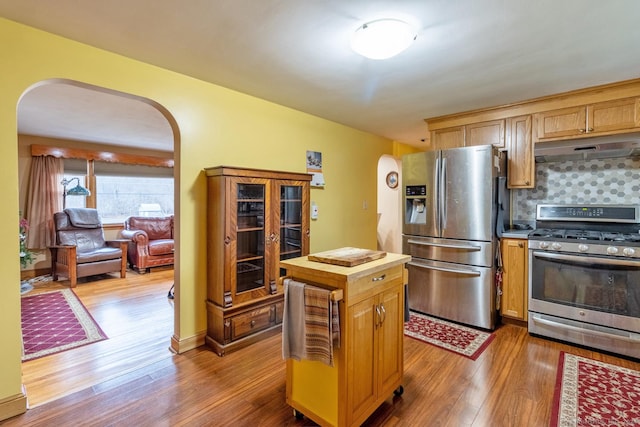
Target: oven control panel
[(589, 213)]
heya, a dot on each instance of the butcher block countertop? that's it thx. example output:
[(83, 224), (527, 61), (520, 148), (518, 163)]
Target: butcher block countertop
[(347, 257), (357, 281)]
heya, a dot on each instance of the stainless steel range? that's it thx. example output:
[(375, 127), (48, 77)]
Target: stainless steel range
[(584, 276)]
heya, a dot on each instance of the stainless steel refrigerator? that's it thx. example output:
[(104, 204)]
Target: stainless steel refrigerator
[(455, 206)]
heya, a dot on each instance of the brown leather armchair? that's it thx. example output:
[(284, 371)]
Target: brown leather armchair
[(81, 249), (150, 241)]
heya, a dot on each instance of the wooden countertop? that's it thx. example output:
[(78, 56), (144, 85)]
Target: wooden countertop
[(348, 273)]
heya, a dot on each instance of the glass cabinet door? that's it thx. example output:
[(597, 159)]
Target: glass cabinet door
[(293, 228), (251, 217)]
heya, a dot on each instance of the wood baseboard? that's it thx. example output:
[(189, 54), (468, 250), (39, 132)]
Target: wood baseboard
[(181, 345), (13, 405), (30, 274)]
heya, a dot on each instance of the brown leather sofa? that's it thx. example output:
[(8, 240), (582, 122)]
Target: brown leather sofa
[(150, 241), (81, 249)]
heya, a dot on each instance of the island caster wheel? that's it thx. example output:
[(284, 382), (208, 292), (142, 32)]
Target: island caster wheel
[(299, 415), (398, 391)]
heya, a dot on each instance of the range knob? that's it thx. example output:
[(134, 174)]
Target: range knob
[(583, 248), (628, 252), (612, 250), (556, 246), (544, 245)]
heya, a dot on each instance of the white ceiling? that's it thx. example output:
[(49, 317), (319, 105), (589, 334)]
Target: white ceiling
[(469, 54)]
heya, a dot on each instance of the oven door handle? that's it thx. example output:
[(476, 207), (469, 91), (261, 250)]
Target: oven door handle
[(445, 269), (546, 322), (587, 260), (445, 245)]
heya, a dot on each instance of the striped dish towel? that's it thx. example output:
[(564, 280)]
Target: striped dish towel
[(322, 324)]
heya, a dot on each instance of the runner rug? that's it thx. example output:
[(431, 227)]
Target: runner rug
[(459, 339), (55, 321), (593, 393)]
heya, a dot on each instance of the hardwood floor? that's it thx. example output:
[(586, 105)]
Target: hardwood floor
[(135, 314), (136, 381)]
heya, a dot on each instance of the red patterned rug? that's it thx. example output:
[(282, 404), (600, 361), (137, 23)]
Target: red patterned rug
[(459, 339), (55, 321), (593, 393)]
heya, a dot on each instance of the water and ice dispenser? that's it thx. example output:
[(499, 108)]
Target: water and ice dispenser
[(415, 204)]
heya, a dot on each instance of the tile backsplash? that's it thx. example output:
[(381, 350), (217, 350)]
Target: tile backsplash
[(604, 181)]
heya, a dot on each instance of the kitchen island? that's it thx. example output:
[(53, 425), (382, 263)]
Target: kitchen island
[(368, 365)]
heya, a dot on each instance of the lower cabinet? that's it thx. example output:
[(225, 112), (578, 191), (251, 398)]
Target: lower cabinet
[(368, 366), (234, 328), (374, 364), (515, 290)]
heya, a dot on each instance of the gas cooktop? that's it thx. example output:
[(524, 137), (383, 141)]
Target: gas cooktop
[(584, 235), (608, 230)]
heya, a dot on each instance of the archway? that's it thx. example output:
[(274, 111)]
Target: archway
[(69, 111)]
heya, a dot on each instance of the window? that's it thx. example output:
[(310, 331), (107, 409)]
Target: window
[(123, 190), (119, 197), (128, 190), (74, 168)]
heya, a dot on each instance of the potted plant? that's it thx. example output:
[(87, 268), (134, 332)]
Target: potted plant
[(26, 256)]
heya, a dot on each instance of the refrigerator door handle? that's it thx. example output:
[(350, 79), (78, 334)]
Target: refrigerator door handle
[(445, 269), (436, 180), (443, 195), (445, 245)]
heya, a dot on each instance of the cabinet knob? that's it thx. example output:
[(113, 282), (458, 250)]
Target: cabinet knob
[(527, 182), (590, 130), (379, 278), (582, 130), (227, 240), (520, 245), (253, 323)]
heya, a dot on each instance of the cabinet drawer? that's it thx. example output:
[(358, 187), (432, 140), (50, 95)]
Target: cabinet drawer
[(252, 321), (373, 283)]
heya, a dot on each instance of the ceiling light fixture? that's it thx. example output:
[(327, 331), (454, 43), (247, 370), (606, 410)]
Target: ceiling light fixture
[(383, 38)]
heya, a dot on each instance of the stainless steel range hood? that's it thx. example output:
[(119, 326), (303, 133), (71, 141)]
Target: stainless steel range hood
[(604, 147)]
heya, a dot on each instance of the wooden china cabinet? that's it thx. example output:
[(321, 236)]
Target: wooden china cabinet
[(255, 219)]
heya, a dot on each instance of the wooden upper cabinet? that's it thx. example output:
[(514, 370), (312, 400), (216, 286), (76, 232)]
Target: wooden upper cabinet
[(613, 116), (491, 132), (482, 133), (521, 166), (585, 120), (560, 123), (448, 138)]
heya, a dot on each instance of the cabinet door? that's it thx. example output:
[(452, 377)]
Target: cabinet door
[(521, 167), (484, 133), (615, 115), (291, 221), (361, 357), (558, 123), (248, 229), (390, 336), (448, 138), (514, 300)]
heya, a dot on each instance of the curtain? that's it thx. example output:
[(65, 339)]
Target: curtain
[(44, 198)]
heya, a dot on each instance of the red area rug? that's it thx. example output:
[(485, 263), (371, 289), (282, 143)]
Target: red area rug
[(55, 321), (459, 339), (593, 393)]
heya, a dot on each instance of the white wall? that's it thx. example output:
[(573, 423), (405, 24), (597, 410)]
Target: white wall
[(389, 205)]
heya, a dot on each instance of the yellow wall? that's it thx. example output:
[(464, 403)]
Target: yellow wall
[(215, 126), (400, 149)]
